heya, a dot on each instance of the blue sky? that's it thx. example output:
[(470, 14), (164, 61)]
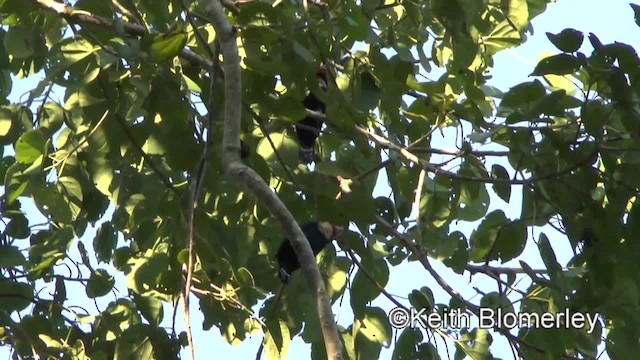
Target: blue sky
[(610, 21)]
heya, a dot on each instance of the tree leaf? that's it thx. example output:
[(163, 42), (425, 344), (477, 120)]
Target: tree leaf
[(502, 190), (105, 241), (568, 40), (561, 64), (16, 296), (11, 257), (100, 283), (30, 146)]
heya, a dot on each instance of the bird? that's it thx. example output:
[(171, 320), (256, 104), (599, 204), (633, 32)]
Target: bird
[(308, 129), (319, 234)]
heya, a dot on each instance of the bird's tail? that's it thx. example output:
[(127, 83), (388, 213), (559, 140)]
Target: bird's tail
[(306, 154)]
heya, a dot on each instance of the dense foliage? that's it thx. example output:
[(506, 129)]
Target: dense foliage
[(113, 132)]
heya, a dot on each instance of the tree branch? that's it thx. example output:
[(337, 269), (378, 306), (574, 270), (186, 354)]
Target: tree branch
[(410, 156), (237, 170)]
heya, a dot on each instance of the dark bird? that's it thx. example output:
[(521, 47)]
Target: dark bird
[(319, 234), (308, 129)]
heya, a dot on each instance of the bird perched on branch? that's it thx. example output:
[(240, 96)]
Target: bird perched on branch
[(319, 234), (308, 129)]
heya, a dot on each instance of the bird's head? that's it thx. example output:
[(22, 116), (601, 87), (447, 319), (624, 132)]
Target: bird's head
[(330, 231)]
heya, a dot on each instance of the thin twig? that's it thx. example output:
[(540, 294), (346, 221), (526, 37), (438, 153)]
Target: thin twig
[(197, 185), (123, 10)]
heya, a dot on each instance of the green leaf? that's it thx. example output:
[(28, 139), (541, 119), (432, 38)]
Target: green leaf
[(422, 299), (517, 11), (621, 343), (303, 52), (440, 244), (549, 257), (595, 115), (312, 332), (511, 241), (76, 50), (375, 326), (406, 348), (166, 46), (72, 191), (474, 344), (11, 256), (150, 307), (460, 258), (330, 168), (15, 296), (495, 301), (100, 283), (473, 200), (105, 241), (369, 93), (561, 64), (148, 273), (336, 273), (364, 289), (134, 343), (502, 190), (245, 277), (183, 256), (18, 227), (518, 97), (44, 267), (5, 122), (19, 42), (30, 146), (52, 118), (568, 40), (277, 339), (502, 37), (287, 149), (56, 204), (289, 109), (483, 238)]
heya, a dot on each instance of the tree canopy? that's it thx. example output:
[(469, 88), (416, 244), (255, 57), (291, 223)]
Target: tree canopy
[(134, 127)]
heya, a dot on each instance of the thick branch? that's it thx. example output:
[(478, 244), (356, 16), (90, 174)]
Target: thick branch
[(235, 169)]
